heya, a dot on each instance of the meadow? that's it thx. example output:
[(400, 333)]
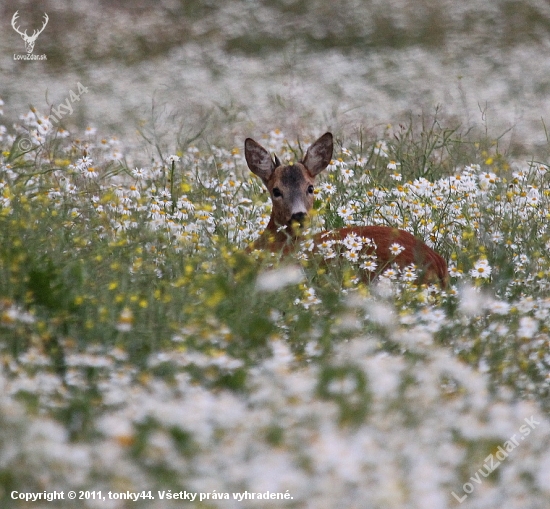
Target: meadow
[(288, 64), (143, 349)]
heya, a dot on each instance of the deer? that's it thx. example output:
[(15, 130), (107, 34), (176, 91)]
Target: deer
[(29, 39), (292, 187)]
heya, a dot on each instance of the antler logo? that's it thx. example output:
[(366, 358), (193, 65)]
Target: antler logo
[(29, 39)]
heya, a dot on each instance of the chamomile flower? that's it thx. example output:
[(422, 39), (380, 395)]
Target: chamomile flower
[(333, 165), (369, 265), (133, 192), (125, 320), (497, 237), (454, 271), (353, 242), (351, 256), (481, 269), (541, 170), (381, 149), (328, 188), (499, 307), (90, 172), (139, 173), (84, 162), (390, 273), (520, 175), (392, 165), (396, 249), (345, 213), (527, 327), (409, 273), (309, 298), (347, 174)]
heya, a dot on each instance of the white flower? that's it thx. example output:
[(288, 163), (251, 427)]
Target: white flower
[(308, 245), (390, 273), (273, 280), (454, 271), (472, 302), (351, 256), (84, 162), (527, 327), (347, 173), (499, 307), (520, 175), (392, 165), (481, 269), (345, 213), (328, 188), (139, 173), (381, 149), (125, 320), (353, 242), (134, 192), (345, 385), (333, 165), (90, 172), (396, 249), (541, 170), (369, 265), (409, 273), (309, 298), (525, 304)]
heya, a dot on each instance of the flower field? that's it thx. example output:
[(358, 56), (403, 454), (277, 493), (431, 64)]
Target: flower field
[(147, 349)]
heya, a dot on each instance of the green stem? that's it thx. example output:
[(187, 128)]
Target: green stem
[(172, 186)]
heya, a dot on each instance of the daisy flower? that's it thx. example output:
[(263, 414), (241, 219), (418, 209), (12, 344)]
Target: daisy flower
[(481, 269), (353, 242), (392, 165), (351, 256), (368, 265), (328, 188), (396, 249)]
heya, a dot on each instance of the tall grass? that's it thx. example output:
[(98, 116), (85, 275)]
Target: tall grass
[(143, 348)]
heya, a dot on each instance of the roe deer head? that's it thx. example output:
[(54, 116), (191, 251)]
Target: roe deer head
[(291, 188)]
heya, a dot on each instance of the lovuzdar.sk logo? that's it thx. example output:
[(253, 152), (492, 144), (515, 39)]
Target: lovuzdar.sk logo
[(29, 39)]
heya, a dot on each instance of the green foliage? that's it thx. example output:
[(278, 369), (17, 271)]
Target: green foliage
[(136, 312), (155, 260)]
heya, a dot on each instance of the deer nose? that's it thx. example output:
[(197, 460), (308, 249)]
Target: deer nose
[(299, 217)]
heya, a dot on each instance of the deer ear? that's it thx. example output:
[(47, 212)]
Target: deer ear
[(318, 155), (258, 160)]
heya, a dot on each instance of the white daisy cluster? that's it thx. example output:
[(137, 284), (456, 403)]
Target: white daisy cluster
[(144, 348), (366, 428)]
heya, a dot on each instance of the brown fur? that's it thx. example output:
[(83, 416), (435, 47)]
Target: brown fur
[(431, 266), (289, 188)]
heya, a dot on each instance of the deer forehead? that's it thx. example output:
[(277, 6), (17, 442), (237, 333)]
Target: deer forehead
[(293, 177)]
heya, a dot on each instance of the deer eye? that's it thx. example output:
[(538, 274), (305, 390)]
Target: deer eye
[(277, 192), (310, 189)]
